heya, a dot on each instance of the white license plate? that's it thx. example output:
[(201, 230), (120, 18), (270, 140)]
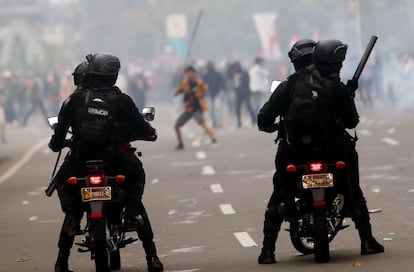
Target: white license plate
[(313, 181), (96, 193)]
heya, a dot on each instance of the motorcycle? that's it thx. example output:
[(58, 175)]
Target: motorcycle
[(103, 199), (319, 207)]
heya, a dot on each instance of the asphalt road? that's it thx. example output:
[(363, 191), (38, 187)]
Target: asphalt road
[(206, 203)]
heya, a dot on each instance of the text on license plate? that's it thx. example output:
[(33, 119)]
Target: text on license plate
[(96, 193), (324, 180)]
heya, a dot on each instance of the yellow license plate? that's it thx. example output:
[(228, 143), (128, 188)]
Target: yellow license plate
[(96, 193), (313, 181)]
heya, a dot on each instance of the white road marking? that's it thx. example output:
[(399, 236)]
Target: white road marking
[(244, 239), (25, 202), (376, 189), (188, 249), (216, 188), (364, 132), (155, 181), (182, 164), (411, 191), (187, 270), (33, 193), (391, 130), (227, 209), (208, 170), (49, 221), (201, 155), (390, 141), (241, 172), (195, 143), (33, 218), (26, 157), (374, 211)]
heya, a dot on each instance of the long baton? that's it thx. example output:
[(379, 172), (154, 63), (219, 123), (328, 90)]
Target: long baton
[(365, 58), (193, 35), (52, 186)]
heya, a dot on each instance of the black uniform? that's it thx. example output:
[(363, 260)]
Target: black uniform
[(348, 116), (126, 115)]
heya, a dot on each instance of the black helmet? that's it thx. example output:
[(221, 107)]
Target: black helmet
[(103, 64), (102, 70), (301, 48), (329, 51), (79, 73)]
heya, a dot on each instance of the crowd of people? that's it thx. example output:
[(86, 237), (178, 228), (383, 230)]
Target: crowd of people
[(236, 89)]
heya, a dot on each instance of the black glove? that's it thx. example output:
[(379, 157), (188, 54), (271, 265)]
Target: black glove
[(154, 136), (352, 86), (270, 129), (53, 145)]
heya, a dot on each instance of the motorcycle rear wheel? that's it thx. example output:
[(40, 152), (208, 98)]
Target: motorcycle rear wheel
[(298, 241), (115, 260), (320, 233), (101, 247)]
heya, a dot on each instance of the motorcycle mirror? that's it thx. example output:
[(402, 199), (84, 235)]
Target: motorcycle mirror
[(52, 121), (148, 113), (274, 85)]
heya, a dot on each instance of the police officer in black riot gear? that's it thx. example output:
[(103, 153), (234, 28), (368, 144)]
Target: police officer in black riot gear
[(327, 57), (98, 80)]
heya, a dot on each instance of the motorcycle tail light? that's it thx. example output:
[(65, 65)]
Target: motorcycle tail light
[(340, 164), (72, 180), (316, 166), (95, 180), (291, 168), (120, 178)]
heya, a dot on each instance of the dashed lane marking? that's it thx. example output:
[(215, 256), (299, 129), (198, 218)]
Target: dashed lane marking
[(364, 132), (154, 181), (227, 209), (195, 143), (201, 155), (208, 170), (26, 157), (216, 188), (244, 239), (390, 141)]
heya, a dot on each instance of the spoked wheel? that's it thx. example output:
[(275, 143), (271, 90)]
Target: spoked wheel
[(304, 245), (115, 260), (101, 247), (321, 238)]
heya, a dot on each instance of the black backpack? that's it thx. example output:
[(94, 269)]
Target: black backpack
[(97, 127), (310, 116)]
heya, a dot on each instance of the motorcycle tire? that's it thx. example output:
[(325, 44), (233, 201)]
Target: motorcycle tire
[(116, 260), (320, 233), (297, 240), (101, 247)]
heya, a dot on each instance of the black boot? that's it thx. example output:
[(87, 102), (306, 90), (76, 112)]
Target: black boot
[(62, 261), (153, 262), (267, 256), (368, 243), (133, 222), (71, 223), (371, 246)]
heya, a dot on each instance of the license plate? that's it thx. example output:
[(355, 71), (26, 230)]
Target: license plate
[(96, 193), (317, 181)]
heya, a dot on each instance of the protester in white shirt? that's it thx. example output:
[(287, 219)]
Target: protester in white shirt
[(259, 83)]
